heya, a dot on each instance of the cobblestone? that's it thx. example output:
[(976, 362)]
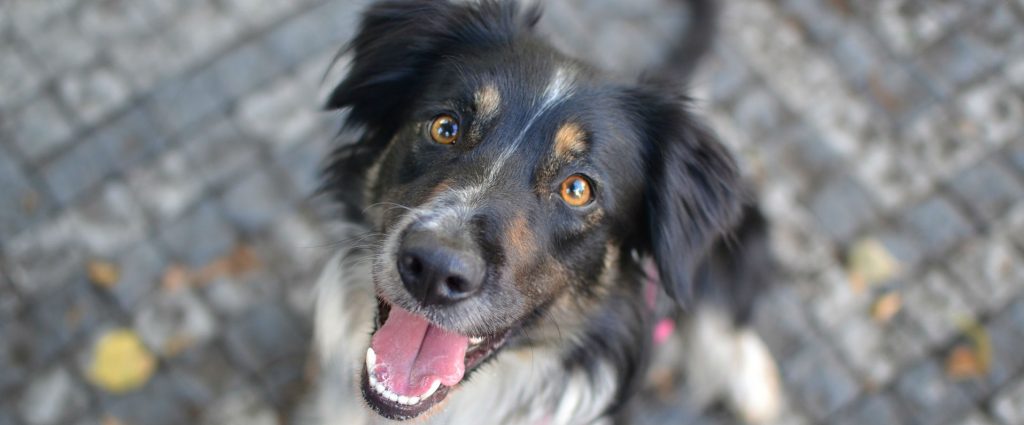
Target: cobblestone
[(937, 225), (24, 203), (78, 170), (992, 270), (927, 396), (52, 398), (1009, 404), (818, 381), (199, 237), (172, 138), (40, 129)]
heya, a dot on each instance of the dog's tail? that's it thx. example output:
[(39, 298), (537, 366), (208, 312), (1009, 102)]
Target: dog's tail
[(683, 57)]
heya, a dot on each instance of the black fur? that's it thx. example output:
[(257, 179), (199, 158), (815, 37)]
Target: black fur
[(665, 187)]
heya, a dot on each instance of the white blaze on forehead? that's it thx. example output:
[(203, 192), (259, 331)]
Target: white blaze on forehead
[(559, 88)]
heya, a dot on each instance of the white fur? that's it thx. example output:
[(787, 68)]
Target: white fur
[(517, 387)]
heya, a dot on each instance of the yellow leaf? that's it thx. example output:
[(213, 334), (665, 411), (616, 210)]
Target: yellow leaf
[(103, 274), (120, 363), (870, 263), (886, 307)]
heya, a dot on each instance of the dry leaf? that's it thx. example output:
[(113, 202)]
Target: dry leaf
[(869, 263), (886, 307), (110, 420), (971, 360), (240, 261), (963, 363), (175, 277), (120, 362), (103, 274)]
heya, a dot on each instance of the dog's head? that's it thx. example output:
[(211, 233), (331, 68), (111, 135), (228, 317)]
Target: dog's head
[(506, 180)]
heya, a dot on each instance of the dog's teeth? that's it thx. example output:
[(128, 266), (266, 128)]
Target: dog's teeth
[(371, 360), (392, 396), (413, 401), (403, 399), (380, 388), (373, 380), (476, 340), (433, 387)]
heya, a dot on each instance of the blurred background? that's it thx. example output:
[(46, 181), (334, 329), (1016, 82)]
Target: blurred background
[(159, 240)]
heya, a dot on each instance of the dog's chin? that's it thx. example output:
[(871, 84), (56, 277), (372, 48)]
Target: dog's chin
[(407, 401)]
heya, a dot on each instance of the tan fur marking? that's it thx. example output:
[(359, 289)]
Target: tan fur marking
[(488, 100), (569, 140), (520, 237)]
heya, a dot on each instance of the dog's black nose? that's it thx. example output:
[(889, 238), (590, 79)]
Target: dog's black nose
[(436, 272)]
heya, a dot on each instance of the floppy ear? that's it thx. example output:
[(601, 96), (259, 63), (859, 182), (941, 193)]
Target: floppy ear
[(693, 196)]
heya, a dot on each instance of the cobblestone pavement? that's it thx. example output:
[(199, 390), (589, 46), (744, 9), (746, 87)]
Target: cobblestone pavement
[(157, 160)]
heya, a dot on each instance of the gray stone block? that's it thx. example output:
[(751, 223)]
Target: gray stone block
[(243, 407), (199, 237), (110, 221), (781, 322), (820, 21), (303, 165), (141, 267), (992, 272), (725, 73), (79, 170), (266, 337), (109, 21), (59, 46), (818, 382), (937, 306), (987, 189), (184, 103), (159, 402), (168, 187), (233, 295), (94, 93), (959, 59), (279, 114), (18, 78), (24, 204), (245, 69), (133, 137), (937, 225), (14, 352), (63, 317), (759, 112), (875, 409), (1016, 155), (842, 208), (53, 397), (927, 396), (44, 257), (39, 129), (174, 321), (257, 199), (992, 115), (1008, 405), (205, 375), (219, 152), (309, 34)]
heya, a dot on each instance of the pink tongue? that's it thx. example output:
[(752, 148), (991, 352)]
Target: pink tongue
[(412, 353)]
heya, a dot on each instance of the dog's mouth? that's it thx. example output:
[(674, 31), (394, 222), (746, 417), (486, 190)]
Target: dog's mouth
[(412, 364)]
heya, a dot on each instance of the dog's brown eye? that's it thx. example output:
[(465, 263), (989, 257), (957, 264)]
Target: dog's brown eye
[(576, 191), (444, 129)]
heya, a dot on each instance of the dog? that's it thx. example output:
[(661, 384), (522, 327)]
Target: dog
[(522, 218)]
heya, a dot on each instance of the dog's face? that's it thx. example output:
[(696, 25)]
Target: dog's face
[(506, 181)]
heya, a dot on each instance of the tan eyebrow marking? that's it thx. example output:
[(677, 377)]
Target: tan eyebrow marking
[(487, 99), (569, 140)]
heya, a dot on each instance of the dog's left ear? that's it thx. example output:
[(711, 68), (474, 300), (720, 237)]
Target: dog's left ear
[(693, 195)]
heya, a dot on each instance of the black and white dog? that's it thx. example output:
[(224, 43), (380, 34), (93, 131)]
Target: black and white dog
[(519, 209)]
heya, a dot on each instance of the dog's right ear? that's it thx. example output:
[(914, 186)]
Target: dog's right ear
[(398, 44)]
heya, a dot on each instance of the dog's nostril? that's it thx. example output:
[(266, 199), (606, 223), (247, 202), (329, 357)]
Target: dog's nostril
[(413, 264), (457, 285)]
